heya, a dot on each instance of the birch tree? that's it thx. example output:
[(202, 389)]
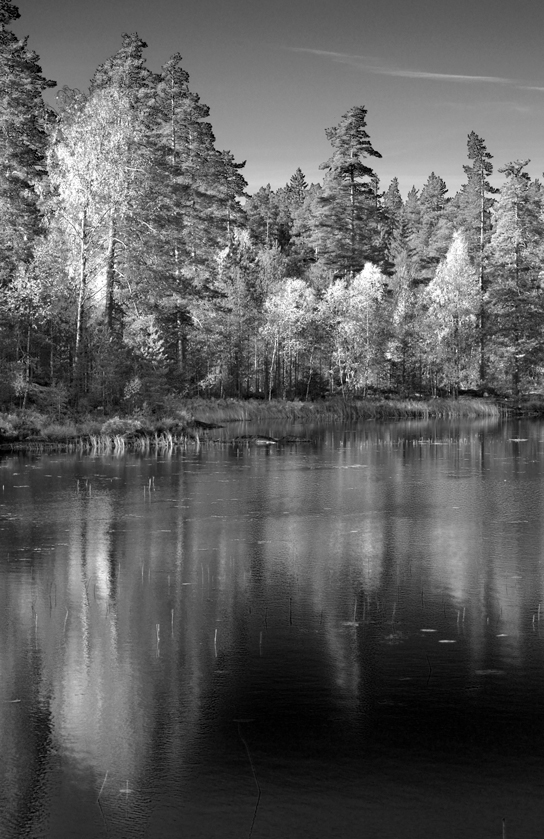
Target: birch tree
[(453, 298), (289, 312), (356, 323), (90, 165)]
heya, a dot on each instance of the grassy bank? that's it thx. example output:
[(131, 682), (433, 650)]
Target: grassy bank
[(193, 421), (231, 410)]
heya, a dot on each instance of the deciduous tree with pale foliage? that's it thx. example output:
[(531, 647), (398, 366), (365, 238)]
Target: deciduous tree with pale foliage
[(289, 312), (354, 316), (453, 299)]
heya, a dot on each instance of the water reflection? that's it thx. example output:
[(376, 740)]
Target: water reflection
[(340, 624)]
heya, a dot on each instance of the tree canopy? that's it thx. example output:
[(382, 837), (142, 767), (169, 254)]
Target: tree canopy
[(135, 269)]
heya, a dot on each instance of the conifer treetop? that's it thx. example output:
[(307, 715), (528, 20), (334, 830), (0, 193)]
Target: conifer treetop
[(514, 169), (8, 12), (351, 143), (392, 199), (297, 188), (433, 193), (126, 68), (482, 167)]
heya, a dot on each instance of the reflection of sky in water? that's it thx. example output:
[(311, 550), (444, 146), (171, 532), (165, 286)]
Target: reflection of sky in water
[(376, 593)]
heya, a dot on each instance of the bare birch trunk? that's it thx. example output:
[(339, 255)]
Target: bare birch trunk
[(82, 288), (110, 274)]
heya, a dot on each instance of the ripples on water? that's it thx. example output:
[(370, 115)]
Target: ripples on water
[(342, 638)]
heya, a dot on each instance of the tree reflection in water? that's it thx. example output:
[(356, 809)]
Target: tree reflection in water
[(337, 637)]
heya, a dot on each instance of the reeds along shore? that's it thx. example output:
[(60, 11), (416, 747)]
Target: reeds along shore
[(192, 422), (232, 410)]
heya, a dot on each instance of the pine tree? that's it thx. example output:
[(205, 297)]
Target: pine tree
[(126, 71), (476, 201), (346, 231), (472, 208), (23, 139), (184, 205), (231, 187), (184, 215)]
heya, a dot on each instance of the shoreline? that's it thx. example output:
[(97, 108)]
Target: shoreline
[(192, 421)]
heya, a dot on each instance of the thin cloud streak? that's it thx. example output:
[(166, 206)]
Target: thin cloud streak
[(488, 107), (446, 77), (371, 66)]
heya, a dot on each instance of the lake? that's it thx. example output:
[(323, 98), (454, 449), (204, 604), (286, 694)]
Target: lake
[(342, 637)]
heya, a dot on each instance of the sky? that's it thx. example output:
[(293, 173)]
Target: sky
[(276, 74)]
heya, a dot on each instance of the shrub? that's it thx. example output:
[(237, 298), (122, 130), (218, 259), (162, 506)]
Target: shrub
[(116, 425), (60, 431)]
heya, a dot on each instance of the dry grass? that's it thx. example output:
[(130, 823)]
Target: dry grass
[(231, 410)]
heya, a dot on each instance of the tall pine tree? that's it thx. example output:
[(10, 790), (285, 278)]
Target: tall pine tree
[(346, 230), (473, 216)]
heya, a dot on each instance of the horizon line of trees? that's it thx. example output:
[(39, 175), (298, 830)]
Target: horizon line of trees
[(132, 274)]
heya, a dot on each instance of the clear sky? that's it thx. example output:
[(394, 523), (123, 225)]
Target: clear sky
[(276, 74)]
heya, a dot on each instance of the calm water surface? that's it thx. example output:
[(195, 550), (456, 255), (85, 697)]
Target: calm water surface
[(341, 638)]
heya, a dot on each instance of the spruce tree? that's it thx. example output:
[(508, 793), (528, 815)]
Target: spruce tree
[(405, 345), (432, 240), (296, 189), (404, 240), (392, 207), (392, 201), (515, 295), (411, 212), (263, 212)]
